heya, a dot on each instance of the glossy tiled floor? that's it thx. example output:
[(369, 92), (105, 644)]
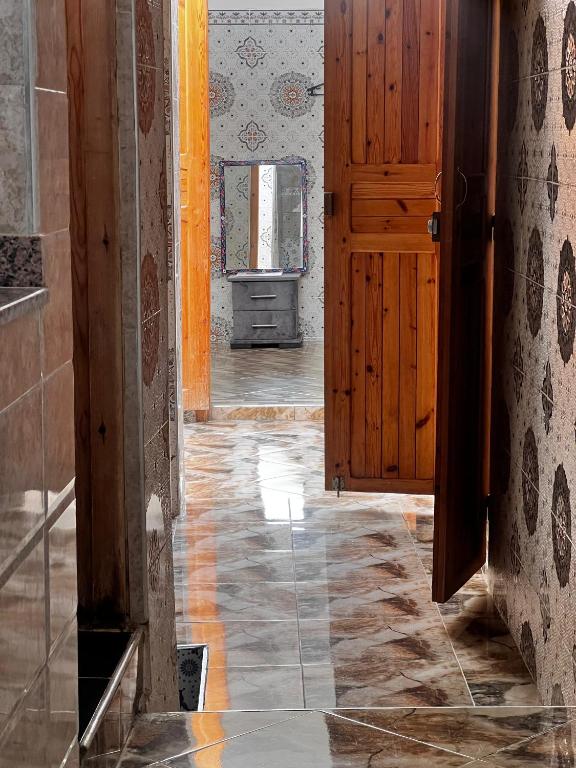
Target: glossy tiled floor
[(309, 601), (393, 738), (268, 376)]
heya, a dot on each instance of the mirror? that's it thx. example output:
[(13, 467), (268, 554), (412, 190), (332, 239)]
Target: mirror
[(263, 216)]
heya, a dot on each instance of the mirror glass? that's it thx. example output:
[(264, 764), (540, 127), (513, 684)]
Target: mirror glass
[(263, 215)]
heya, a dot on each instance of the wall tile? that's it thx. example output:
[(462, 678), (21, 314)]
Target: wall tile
[(12, 52), (15, 161), (51, 45), (19, 357), (59, 431), (57, 315), (62, 566), (21, 481), (25, 741), (532, 565), (53, 160), (23, 636), (63, 713)]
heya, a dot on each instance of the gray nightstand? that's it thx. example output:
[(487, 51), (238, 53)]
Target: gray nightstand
[(265, 310)]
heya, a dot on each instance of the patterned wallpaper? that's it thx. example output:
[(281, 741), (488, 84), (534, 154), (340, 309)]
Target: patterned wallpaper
[(532, 570), (262, 63)]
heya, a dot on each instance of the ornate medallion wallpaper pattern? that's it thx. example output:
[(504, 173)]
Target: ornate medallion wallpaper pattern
[(566, 302), (531, 568), (262, 65), (539, 73), (569, 67)]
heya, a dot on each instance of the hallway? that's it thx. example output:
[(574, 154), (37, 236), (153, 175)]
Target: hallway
[(309, 601)]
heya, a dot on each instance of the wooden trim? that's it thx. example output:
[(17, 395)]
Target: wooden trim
[(195, 202), (389, 485), (489, 269), (254, 210), (97, 311), (377, 242)]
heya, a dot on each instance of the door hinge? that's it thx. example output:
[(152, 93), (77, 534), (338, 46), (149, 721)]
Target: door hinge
[(492, 228), (328, 203), (338, 485), (487, 505)]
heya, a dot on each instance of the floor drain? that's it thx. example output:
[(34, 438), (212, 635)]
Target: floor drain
[(192, 668)]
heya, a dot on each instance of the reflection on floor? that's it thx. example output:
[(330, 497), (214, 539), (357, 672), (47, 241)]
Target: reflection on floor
[(308, 601), (402, 738), (268, 376)]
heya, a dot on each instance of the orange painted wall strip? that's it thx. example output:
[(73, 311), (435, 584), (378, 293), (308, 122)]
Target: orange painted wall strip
[(195, 202)]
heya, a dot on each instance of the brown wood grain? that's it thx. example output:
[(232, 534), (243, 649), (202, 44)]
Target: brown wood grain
[(408, 360), (376, 53), (391, 364), (393, 207), (410, 80), (426, 365), (394, 225), (376, 78), (338, 62), (359, 82), (374, 363), (368, 190), (195, 202), (358, 363), (393, 81), (97, 311)]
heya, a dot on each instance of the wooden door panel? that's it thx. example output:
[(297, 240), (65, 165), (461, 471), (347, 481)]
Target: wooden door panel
[(380, 286), (460, 512)]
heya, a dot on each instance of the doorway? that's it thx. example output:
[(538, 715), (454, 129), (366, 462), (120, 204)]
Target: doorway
[(291, 585)]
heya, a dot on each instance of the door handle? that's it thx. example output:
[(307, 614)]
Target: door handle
[(264, 296), (264, 325), (434, 227)]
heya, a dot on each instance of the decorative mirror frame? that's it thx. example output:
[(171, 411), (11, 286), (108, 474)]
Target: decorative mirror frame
[(305, 244)]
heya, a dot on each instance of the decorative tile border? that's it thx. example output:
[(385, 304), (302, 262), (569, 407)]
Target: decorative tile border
[(20, 261), (266, 17)]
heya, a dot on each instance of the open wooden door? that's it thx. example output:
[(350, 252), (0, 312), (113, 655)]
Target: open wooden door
[(460, 512), (382, 86), (195, 203)]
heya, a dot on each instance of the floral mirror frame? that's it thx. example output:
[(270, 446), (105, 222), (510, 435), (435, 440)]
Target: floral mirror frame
[(305, 242)]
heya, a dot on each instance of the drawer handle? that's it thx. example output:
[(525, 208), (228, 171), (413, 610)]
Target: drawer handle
[(264, 325), (264, 296)]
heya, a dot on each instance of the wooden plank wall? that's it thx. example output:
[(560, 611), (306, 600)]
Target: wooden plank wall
[(195, 203), (389, 76)]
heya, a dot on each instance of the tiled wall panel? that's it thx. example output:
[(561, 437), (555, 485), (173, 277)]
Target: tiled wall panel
[(532, 567), (38, 669), (261, 65)]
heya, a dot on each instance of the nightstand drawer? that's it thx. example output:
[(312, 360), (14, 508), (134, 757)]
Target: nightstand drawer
[(273, 325), (255, 295)]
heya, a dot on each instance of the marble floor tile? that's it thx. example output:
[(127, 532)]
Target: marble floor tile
[(256, 567), (158, 737), (244, 643), (283, 580), (268, 376), (396, 643), (320, 740), (474, 737), (254, 688), (229, 602), (381, 684), (475, 731)]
